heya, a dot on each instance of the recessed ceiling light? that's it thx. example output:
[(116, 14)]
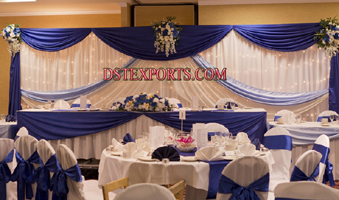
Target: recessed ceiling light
[(16, 1)]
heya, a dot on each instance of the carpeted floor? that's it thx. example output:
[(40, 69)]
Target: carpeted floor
[(336, 185)]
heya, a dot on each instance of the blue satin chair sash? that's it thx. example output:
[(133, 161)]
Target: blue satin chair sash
[(5, 174), (325, 151), (278, 142), (78, 105), (42, 177), (298, 175), (59, 181), (24, 175), (276, 118), (226, 185), (325, 117)]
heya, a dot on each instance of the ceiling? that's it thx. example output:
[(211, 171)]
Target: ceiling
[(67, 7)]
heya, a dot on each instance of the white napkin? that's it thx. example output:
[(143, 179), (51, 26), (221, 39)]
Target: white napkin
[(61, 104), (209, 154), (117, 146), (136, 152), (247, 150), (243, 138)]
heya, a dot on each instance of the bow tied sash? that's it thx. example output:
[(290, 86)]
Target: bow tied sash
[(325, 151), (24, 175), (42, 177), (239, 192), (59, 181), (5, 174), (298, 175)]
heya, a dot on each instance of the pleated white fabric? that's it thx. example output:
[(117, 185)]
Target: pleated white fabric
[(145, 191), (305, 190), (215, 127)]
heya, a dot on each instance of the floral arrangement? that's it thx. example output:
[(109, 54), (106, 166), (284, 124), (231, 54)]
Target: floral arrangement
[(11, 34), (166, 35), (185, 140), (144, 102), (185, 144), (328, 36)]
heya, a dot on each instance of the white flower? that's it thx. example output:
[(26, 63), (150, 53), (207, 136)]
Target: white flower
[(12, 34), (162, 101), (156, 100), (8, 29)]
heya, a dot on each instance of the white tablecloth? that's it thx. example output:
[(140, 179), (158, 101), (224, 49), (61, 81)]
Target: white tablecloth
[(307, 133)]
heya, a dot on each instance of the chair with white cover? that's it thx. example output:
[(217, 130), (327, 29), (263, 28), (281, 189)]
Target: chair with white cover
[(28, 160), (145, 191), (305, 190), (76, 103), (244, 178), (286, 115), (211, 128), (174, 101), (278, 140), (22, 131), (226, 102), (44, 173), (7, 188), (68, 176), (307, 166), (327, 114), (61, 104), (322, 145)]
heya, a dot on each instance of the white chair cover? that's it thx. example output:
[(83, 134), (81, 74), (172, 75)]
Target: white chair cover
[(245, 171), (22, 131), (145, 191), (174, 101), (305, 190), (6, 146), (308, 162), (67, 159), (326, 114), (282, 159), (324, 141), (61, 104), (26, 145), (242, 138), (76, 103), (286, 115), (215, 127)]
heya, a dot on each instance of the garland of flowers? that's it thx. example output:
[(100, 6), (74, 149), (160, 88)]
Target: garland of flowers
[(144, 102), (328, 36), (11, 33), (166, 35)]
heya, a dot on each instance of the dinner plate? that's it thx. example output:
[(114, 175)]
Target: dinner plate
[(188, 158), (147, 159), (325, 124), (230, 157), (280, 123), (116, 153)]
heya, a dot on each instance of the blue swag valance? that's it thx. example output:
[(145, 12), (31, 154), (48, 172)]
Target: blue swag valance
[(138, 42)]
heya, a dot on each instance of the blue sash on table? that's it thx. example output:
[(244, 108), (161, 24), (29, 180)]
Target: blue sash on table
[(227, 186), (24, 175), (42, 177), (277, 117), (278, 142), (325, 151), (298, 175), (5, 174), (59, 181)]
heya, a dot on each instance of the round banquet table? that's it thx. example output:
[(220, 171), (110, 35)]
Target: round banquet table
[(201, 184)]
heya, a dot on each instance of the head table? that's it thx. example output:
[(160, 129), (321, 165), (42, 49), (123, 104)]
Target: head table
[(87, 133), (201, 177)]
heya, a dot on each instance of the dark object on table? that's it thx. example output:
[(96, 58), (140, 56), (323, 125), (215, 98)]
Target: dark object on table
[(166, 152), (127, 138), (10, 118)]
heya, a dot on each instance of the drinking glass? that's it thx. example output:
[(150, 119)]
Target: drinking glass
[(3, 117), (298, 119), (232, 104), (331, 118), (231, 144)]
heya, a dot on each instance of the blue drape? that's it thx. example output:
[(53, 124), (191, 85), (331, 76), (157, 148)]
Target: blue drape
[(138, 42), (259, 95), (334, 85), (53, 39), (14, 86), (280, 37)]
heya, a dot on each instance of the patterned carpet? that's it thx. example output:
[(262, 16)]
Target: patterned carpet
[(336, 185)]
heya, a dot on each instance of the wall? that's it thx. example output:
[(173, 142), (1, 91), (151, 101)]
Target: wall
[(266, 14), (64, 21)]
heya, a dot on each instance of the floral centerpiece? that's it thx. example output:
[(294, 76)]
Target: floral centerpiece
[(166, 35), (328, 36), (12, 34), (184, 142), (144, 102)]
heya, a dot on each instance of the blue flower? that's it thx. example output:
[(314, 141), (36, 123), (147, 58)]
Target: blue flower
[(333, 28), (175, 33), (165, 32), (336, 36), (326, 38), (166, 103)]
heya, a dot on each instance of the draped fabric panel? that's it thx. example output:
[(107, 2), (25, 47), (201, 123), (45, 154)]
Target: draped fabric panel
[(282, 37), (14, 86), (334, 85), (138, 42), (53, 39)]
